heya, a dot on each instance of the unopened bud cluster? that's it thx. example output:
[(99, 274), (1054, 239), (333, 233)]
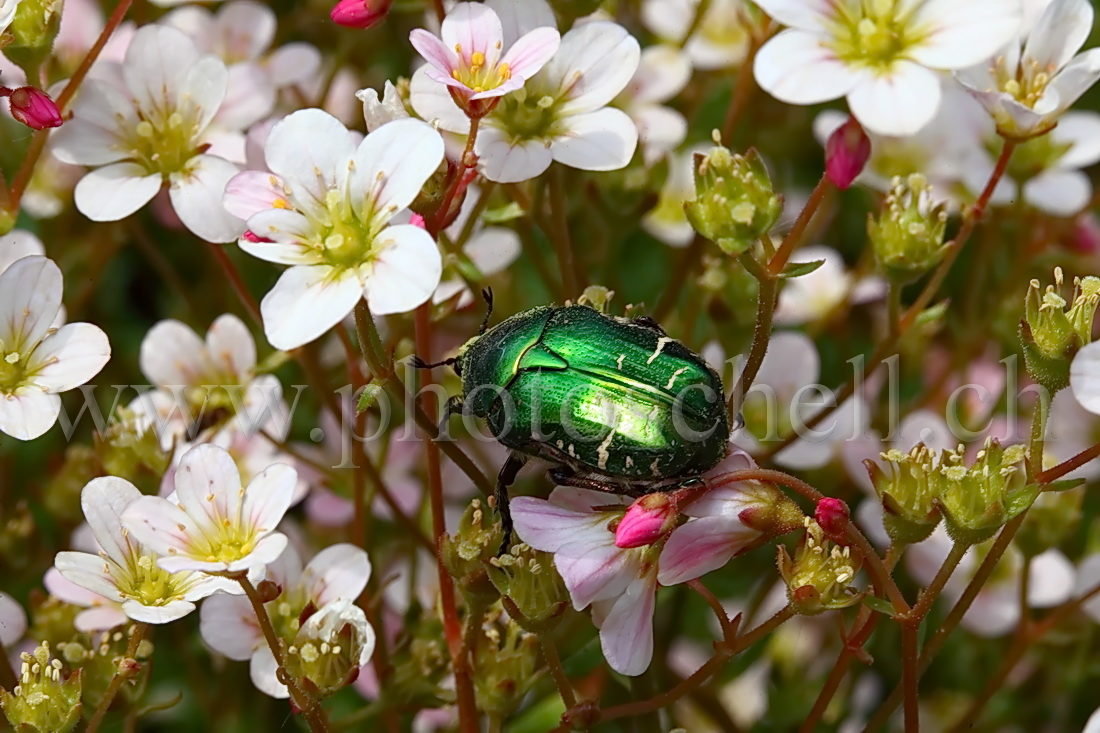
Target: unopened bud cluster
[(907, 237), (467, 553), (330, 648), (734, 202), (531, 590), (506, 660), (906, 486), (1054, 329), (819, 576), (44, 700)]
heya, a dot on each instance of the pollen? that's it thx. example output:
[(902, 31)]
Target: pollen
[(280, 203), (477, 60)]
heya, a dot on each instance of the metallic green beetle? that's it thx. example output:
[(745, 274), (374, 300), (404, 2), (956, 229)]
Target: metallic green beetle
[(614, 403)]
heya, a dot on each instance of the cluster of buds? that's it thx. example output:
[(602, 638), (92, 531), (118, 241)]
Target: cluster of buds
[(43, 701), (1053, 329), (907, 237), (905, 484), (734, 202), (819, 577), (979, 499), (469, 552), (330, 647), (506, 660), (33, 107), (100, 657), (530, 588)]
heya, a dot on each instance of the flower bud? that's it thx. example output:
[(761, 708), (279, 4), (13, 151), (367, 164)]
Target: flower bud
[(1051, 334), (33, 107), (378, 112), (531, 590), (734, 202), (833, 516), (506, 659), (33, 30), (907, 237), (818, 577), (846, 153), (360, 14), (768, 510), (908, 493), (468, 552), (330, 648), (647, 520), (980, 499), (42, 701)]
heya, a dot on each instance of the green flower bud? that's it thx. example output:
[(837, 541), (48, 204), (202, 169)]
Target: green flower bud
[(42, 701), (105, 656), (33, 31), (1051, 334), (818, 577), (908, 493), (532, 591), (330, 648), (1052, 518), (506, 659), (907, 237), (980, 499), (133, 453), (734, 202), (468, 553)]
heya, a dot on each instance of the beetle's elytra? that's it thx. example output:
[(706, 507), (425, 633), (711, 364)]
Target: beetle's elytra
[(614, 403)]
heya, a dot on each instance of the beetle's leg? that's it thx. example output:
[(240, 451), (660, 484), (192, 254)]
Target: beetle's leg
[(453, 406), (650, 323), (567, 477), (506, 478), (419, 363), (487, 294)]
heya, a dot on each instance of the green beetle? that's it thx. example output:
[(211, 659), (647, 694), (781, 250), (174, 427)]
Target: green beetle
[(614, 403)]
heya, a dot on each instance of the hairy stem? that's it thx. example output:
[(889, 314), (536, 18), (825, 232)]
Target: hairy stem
[(137, 633)]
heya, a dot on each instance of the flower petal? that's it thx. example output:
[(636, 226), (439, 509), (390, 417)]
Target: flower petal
[(29, 413), (546, 526), (100, 618), (603, 140), (197, 193), (438, 54), (406, 272), (392, 164), (89, 572), (289, 233), (960, 34), (700, 546), (594, 63), (338, 572), (161, 526), (250, 192), (1074, 79), (505, 160), (898, 103), (230, 345), (262, 670), (1059, 192), (808, 15), (171, 611), (473, 27), (172, 354), (626, 635), (310, 150), (72, 355), (306, 302), (796, 68), (95, 135), (1084, 377), (30, 298), (1060, 33), (157, 59), (115, 191), (434, 104), (228, 626), (103, 501), (531, 52), (268, 496)]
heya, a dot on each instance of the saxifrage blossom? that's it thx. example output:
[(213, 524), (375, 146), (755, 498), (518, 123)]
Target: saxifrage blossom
[(329, 208)]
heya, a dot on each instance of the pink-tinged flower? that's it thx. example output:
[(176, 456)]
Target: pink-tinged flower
[(13, 621), (39, 360), (33, 107), (1039, 75), (328, 208), (98, 614), (646, 521), (470, 60), (620, 584), (883, 56), (125, 571), (228, 623), (146, 123), (724, 522), (360, 14), (211, 523), (562, 113), (846, 153)]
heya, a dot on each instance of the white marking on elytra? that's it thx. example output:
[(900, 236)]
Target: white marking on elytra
[(675, 374), (619, 361), (561, 445), (570, 451), (660, 347), (629, 462), (653, 467), (602, 450)]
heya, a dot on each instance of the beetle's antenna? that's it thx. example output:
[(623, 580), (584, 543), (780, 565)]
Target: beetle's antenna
[(487, 294), (419, 363)]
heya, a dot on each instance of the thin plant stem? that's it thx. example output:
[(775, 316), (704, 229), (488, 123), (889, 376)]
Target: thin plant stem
[(929, 595), (137, 633), (559, 235), (1056, 472), (729, 629), (910, 675), (230, 269), (794, 236), (743, 87), (553, 663), (765, 311), (467, 706)]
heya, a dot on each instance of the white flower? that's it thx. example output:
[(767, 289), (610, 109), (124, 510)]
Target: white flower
[(816, 294), (469, 56), (37, 360), (1084, 377), (560, 114), (1051, 165), (327, 210), (125, 571), (663, 72), (7, 13), (667, 221), (228, 623), (880, 54), (146, 124), (13, 620), (721, 38), (620, 584), (1027, 89), (17, 244), (378, 112), (211, 523), (240, 33)]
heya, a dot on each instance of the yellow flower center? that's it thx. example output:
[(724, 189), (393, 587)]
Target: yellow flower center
[(164, 141), (144, 581), (476, 74), (873, 34)]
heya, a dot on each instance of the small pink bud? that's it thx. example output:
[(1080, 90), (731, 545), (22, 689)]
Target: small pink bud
[(1086, 234), (846, 153), (418, 221), (832, 515), (646, 521), (360, 13), (34, 108)]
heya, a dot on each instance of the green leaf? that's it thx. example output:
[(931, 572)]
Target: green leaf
[(272, 362), (878, 604), (501, 214), (931, 315), (367, 397), (798, 269), (1065, 484)]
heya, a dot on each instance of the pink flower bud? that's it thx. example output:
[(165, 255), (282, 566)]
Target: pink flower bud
[(846, 153), (418, 221), (646, 521), (34, 108), (1086, 234), (832, 515), (360, 13)]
